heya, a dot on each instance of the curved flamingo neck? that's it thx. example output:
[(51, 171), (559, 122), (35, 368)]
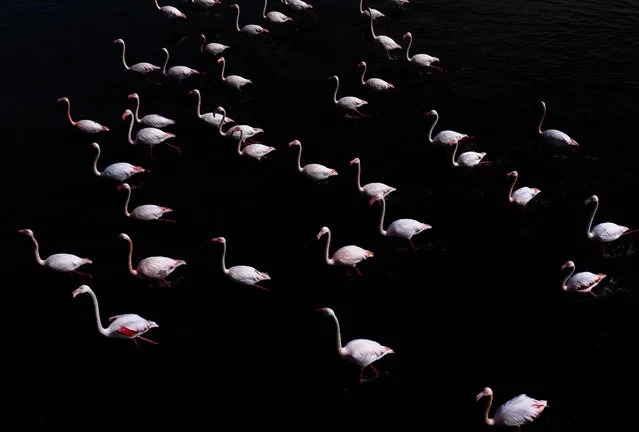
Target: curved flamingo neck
[(223, 68), (131, 130), (126, 202), (239, 142), (203, 43), (126, 66), (336, 88), (455, 153), (237, 18), (137, 108), (96, 309), (338, 334), (372, 31), (359, 172), (563, 283), (131, 269), (543, 116), (166, 59), (264, 11), (224, 269), (37, 250), (364, 72), (95, 162), (410, 42), (592, 217), (219, 126), (512, 186), (381, 219), (157, 5), (199, 102), (299, 157), (69, 112), (360, 7), (432, 127), (328, 260), (489, 421)]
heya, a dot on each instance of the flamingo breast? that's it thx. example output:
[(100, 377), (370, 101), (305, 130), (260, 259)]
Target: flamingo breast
[(518, 411), (152, 136), (363, 352), (406, 228), (318, 172), (608, 231), (247, 275), (64, 262), (121, 171), (350, 255), (158, 267)]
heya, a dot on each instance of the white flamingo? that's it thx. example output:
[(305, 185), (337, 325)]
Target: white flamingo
[(60, 262), (169, 11), (148, 136), (383, 41), (361, 352), (125, 326), (315, 172), (582, 282), (371, 190), (298, 5), (605, 232), (423, 60), (347, 103), (522, 195), (514, 413), (234, 81), (155, 267), (250, 29), (206, 3), (146, 212), (553, 136), (119, 171), (274, 16), (370, 11), (234, 132), (153, 120), (399, 3), (346, 256), (242, 274), (210, 118), (213, 48), (142, 67), (178, 73), (256, 150), (445, 137), (469, 158), (402, 228), (376, 84), (87, 126)]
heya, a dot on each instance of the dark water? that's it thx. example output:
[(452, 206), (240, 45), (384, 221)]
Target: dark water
[(478, 305)]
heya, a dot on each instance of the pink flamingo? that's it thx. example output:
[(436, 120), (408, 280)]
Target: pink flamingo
[(371, 190), (210, 118), (60, 262), (242, 274), (376, 84), (120, 171), (582, 282), (315, 172), (523, 195), (383, 41), (347, 103), (169, 11), (423, 60), (234, 132), (178, 73), (445, 137), (250, 29), (516, 412), (234, 81), (274, 16), (256, 150), (370, 11), (86, 126), (126, 326), (152, 120), (213, 48), (553, 136), (155, 267), (469, 158), (299, 5), (605, 232), (361, 352), (145, 212), (148, 136), (142, 67), (402, 228), (346, 256)]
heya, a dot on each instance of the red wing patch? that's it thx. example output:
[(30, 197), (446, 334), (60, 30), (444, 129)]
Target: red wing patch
[(127, 331)]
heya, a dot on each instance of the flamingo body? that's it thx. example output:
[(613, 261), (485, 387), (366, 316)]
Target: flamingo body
[(370, 12), (582, 282), (213, 48), (374, 190), (178, 73), (346, 256), (250, 29), (514, 413), (151, 136), (469, 158), (406, 228), (445, 137), (347, 103), (242, 274), (297, 5), (234, 81), (257, 150), (277, 17), (313, 171), (60, 262), (387, 43), (555, 137), (158, 267), (152, 120), (607, 232), (143, 68), (523, 195), (121, 171), (210, 118), (170, 12), (89, 127)]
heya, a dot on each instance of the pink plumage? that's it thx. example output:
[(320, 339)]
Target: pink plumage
[(145, 212), (371, 190), (155, 267), (60, 262), (514, 413), (582, 282), (119, 171), (346, 256), (87, 126), (242, 274), (348, 104), (314, 172), (445, 137), (375, 84), (402, 228), (149, 135)]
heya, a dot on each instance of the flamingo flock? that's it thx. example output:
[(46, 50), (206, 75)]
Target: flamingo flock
[(361, 352)]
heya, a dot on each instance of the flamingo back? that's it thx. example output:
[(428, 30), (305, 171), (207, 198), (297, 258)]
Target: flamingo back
[(470, 158), (156, 121), (406, 228), (519, 410), (247, 275), (350, 255), (351, 102), (144, 67), (583, 281), (318, 172), (424, 59), (121, 171), (152, 136), (378, 84), (89, 126), (557, 138), (64, 262), (372, 190), (149, 212), (257, 151), (363, 352), (133, 322), (181, 72), (158, 267), (253, 29), (608, 231), (214, 119), (524, 194), (237, 81), (448, 137)]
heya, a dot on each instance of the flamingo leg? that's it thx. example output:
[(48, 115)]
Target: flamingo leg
[(438, 68), (412, 245), (361, 374), (593, 294), (348, 271), (136, 343), (359, 113), (629, 247), (166, 282), (151, 151), (603, 250), (80, 273), (484, 163), (175, 147), (147, 340), (631, 231), (360, 273), (261, 287), (389, 56), (374, 370), (167, 220)]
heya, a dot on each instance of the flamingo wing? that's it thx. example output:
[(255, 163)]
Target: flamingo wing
[(64, 262), (519, 410), (351, 255), (247, 275), (318, 172), (609, 231), (364, 351), (584, 280), (557, 137), (406, 228)]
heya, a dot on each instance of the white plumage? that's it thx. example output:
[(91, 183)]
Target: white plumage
[(155, 267), (206, 3), (347, 103), (274, 16), (582, 282), (605, 232), (120, 171), (256, 150), (522, 195), (177, 73), (346, 256), (142, 67), (553, 136), (371, 190), (242, 274), (370, 12), (401, 228), (383, 41), (514, 413), (423, 60), (144, 212), (60, 262), (210, 118), (89, 127), (169, 11), (234, 132), (469, 158), (445, 137), (153, 120), (376, 84), (213, 48), (314, 172), (297, 5), (234, 81), (250, 29), (147, 136)]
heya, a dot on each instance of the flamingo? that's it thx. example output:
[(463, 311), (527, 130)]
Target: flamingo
[(148, 136), (346, 256), (234, 81), (605, 232), (245, 275), (60, 262), (126, 326), (399, 3), (361, 352), (385, 42), (169, 11), (234, 132), (347, 103), (142, 67), (210, 118), (371, 190), (250, 29), (206, 3), (553, 136), (370, 11), (178, 73), (402, 228), (120, 171), (256, 150), (376, 84), (145, 212), (516, 412), (423, 60), (582, 282), (315, 172), (445, 137), (153, 120), (213, 48), (155, 267), (469, 158), (86, 126), (522, 195), (274, 16), (298, 5)]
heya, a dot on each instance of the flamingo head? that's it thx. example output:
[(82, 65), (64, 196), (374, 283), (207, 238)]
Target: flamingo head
[(334, 77), (431, 112), (354, 161), (568, 264), (221, 59), (194, 91), (407, 35), (592, 199), (294, 142), (220, 110), (323, 231), (124, 237), (234, 6), (133, 96), (81, 290), (63, 99), (218, 240), (512, 174), (485, 392), (126, 114), (124, 186), (326, 311), (26, 231), (120, 41), (361, 64)]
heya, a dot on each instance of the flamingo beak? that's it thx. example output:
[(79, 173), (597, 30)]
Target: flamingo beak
[(479, 396)]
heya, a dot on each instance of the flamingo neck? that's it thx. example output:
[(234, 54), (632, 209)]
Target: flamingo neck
[(137, 108), (328, 260), (592, 217), (237, 18), (264, 11), (69, 113), (381, 219), (455, 153), (224, 269), (510, 192), (563, 283), (363, 73), (541, 120), (338, 336), (336, 88), (157, 5), (219, 126), (432, 127), (239, 142), (223, 68), (131, 269), (410, 42), (359, 172), (126, 202), (299, 158), (203, 43), (360, 7), (489, 421), (372, 31), (131, 130), (126, 66), (95, 163), (199, 102), (166, 59), (96, 308), (37, 250)]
